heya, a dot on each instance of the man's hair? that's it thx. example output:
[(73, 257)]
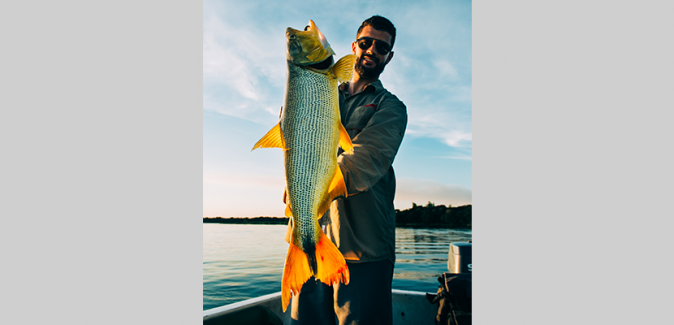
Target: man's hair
[(379, 23)]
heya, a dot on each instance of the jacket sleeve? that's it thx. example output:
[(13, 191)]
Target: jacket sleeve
[(375, 146)]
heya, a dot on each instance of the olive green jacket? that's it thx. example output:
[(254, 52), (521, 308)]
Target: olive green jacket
[(362, 225)]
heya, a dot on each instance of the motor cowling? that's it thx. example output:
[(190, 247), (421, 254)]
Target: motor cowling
[(460, 258)]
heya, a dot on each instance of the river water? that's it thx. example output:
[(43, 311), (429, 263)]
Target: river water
[(246, 261)]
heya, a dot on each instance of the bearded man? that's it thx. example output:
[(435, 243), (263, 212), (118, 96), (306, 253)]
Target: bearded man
[(362, 225)]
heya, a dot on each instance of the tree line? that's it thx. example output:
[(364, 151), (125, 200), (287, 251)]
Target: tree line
[(435, 216), (429, 216)]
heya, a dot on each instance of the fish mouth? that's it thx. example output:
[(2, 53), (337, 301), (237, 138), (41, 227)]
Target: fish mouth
[(308, 47)]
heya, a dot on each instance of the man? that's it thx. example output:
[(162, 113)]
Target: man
[(362, 225)]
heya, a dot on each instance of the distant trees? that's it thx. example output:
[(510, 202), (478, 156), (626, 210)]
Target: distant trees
[(435, 216), (248, 221), (429, 216)]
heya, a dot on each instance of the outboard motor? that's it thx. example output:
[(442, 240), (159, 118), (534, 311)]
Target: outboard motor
[(455, 290), (460, 258)]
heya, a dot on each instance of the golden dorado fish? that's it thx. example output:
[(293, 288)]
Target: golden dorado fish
[(309, 132)]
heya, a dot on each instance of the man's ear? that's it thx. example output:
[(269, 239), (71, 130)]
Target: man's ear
[(353, 47)]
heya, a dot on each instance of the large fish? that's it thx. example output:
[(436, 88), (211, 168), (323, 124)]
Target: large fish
[(310, 132)]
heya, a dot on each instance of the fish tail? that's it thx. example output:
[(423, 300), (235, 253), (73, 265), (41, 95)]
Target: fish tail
[(295, 273), (310, 250), (332, 267)]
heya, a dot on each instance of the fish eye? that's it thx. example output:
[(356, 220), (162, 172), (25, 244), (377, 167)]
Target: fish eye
[(292, 36)]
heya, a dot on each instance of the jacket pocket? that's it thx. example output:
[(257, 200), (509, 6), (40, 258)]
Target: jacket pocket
[(359, 118)]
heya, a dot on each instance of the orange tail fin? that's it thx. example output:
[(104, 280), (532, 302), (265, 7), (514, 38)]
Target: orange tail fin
[(295, 273), (331, 264)]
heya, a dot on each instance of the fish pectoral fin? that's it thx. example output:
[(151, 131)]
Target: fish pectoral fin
[(273, 139), (295, 273), (343, 69), (332, 267), (345, 139)]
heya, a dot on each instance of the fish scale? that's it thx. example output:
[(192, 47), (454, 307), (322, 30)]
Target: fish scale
[(309, 136), (310, 132)]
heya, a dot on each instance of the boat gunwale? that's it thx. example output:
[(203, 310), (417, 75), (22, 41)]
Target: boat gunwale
[(226, 309)]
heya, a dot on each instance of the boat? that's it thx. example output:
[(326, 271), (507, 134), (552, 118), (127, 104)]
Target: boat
[(409, 307)]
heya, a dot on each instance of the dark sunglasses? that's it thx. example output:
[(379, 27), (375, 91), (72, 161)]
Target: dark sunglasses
[(382, 47)]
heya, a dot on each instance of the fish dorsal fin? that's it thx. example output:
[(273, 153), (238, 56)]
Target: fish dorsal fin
[(344, 139), (273, 139), (343, 69)]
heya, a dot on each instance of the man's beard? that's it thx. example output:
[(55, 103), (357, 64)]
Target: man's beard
[(369, 73)]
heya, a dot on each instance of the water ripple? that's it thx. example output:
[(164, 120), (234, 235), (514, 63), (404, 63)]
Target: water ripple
[(246, 261)]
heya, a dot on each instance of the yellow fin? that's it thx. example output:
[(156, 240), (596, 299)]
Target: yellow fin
[(344, 139), (273, 139), (288, 212), (336, 189), (295, 273), (332, 267), (343, 69)]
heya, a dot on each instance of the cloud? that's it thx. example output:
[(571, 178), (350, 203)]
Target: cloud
[(445, 69), (450, 127), (244, 73), (423, 190), (243, 68)]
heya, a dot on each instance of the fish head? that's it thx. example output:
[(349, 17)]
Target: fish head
[(307, 47)]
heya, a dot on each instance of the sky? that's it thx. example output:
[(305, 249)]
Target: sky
[(244, 72)]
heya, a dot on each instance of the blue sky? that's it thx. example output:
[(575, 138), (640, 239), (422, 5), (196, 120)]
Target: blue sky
[(243, 84)]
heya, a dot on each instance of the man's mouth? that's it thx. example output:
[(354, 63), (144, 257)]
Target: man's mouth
[(369, 59)]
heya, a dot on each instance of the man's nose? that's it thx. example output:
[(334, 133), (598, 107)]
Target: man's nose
[(372, 49)]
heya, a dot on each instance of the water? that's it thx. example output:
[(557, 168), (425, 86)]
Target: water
[(246, 261)]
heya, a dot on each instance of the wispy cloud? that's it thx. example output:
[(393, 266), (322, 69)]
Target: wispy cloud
[(243, 70), (244, 73)]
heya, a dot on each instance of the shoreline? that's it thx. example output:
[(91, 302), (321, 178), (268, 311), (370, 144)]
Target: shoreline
[(429, 216)]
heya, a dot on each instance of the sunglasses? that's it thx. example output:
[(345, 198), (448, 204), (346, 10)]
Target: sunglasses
[(382, 47)]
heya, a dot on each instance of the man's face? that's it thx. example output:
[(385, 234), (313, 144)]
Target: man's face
[(370, 62)]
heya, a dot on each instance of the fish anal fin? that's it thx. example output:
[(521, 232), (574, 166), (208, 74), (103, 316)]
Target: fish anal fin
[(288, 212), (273, 139), (336, 189), (332, 267), (344, 139), (295, 273), (342, 70), (337, 186)]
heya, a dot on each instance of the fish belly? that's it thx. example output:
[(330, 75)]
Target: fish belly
[(309, 125), (311, 133)]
